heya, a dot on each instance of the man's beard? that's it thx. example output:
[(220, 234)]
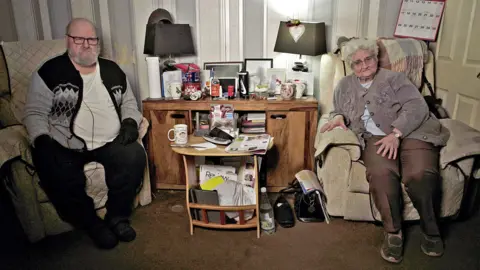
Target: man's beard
[(87, 59)]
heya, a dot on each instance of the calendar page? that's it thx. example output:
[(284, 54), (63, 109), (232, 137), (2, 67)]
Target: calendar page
[(419, 19)]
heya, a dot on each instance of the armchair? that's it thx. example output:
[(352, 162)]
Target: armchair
[(35, 212), (342, 173)]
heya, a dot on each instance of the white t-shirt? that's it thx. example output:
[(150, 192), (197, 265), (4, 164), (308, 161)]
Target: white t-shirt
[(97, 121), (369, 124)]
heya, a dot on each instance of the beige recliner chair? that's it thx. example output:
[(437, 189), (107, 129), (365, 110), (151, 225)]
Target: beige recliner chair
[(35, 212), (342, 173)]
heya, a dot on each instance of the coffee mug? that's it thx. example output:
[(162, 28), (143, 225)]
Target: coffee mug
[(180, 134), (299, 89), (287, 90), (175, 90)]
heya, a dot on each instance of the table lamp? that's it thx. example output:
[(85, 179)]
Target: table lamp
[(303, 38), (168, 40)]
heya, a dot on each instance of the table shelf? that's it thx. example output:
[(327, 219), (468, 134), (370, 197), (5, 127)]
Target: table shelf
[(189, 155)]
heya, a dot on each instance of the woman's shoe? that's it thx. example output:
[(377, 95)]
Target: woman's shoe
[(392, 247), (432, 245)]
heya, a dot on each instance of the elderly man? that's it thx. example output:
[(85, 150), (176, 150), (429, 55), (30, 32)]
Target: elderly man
[(80, 108)]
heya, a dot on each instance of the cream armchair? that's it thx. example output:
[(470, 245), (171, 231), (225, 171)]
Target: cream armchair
[(35, 212), (342, 173)]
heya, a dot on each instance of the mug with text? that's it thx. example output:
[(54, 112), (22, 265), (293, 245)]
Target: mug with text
[(180, 134)]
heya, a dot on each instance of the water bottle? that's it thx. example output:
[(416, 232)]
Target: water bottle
[(267, 220)]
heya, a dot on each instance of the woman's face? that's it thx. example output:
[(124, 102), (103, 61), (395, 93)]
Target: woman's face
[(364, 64)]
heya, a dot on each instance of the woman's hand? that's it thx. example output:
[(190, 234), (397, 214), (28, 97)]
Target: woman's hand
[(337, 121), (388, 146)]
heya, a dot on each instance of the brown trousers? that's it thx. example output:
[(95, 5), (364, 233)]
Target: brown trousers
[(416, 166)]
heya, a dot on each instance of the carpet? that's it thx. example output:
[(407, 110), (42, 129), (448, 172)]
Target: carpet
[(163, 242)]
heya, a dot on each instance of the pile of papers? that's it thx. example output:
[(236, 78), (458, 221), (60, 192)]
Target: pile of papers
[(257, 144)]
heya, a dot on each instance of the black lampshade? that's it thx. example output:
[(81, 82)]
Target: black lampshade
[(168, 39), (312, 42)]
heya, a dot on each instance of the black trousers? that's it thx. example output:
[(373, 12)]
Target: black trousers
[(62, 177), (417, 168)]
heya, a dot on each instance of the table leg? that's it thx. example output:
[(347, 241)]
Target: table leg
[(257, 202), (191, 175)]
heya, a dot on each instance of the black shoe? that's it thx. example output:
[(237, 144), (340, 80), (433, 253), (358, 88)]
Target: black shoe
[(283, 212), (124, 231), (102, 236)]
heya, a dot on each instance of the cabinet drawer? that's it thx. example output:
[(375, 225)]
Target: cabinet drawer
[(287, 157), (168, 165)]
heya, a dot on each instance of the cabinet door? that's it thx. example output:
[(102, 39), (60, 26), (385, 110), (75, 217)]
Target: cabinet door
[(287, 157), (169, 171)]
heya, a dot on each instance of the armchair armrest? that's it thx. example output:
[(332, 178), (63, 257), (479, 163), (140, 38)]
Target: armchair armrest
[(464, 142)]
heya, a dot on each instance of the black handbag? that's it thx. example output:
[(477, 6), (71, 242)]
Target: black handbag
[(306, 206)]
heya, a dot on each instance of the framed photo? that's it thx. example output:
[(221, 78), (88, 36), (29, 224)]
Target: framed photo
[(276, 76), (257, 71), (224, 69)]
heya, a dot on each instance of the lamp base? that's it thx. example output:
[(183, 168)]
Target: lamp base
[(169, 65), (298, 66)]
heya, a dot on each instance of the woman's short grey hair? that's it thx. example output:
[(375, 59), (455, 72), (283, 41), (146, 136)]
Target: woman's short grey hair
[(354, 45)]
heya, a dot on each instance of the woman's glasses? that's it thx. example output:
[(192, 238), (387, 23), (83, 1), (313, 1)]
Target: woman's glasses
[(81, 40), (367, 61)]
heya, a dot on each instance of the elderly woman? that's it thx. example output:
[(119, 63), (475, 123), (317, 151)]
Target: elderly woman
[(400, 142)]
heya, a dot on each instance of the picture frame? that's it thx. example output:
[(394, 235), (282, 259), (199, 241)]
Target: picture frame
[(257, 71), (276, 76), (224, 69)]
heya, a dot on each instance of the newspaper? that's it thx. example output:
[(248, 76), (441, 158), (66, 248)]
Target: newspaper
[(256, 144)]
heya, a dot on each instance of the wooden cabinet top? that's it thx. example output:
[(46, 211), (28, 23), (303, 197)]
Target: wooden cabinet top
[(306, 103)]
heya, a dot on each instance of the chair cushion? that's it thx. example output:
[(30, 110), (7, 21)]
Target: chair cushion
[(23, 58)]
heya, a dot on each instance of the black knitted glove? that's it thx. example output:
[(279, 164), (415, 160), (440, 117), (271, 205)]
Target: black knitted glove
[(43, 142), (128, 132)]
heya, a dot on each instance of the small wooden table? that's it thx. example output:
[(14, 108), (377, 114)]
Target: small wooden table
[(192, 181)]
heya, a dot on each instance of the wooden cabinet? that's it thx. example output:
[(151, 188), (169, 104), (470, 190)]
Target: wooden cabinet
[(292, 123), (287, 157)]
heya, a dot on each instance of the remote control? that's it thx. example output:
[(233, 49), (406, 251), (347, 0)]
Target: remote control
[(217, 140)]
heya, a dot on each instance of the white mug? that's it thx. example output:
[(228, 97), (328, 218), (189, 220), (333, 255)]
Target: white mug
[(180, 134), (175, 90), (299, 89)]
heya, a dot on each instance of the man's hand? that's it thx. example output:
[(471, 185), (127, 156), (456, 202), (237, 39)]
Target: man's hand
[(337, 121), (388, 146), (43, 142), (128, 132)]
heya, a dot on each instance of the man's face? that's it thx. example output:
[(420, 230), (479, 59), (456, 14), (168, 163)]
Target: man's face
[(82, 44)]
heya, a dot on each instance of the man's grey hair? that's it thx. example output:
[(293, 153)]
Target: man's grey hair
[(69, 25), (351, 47)]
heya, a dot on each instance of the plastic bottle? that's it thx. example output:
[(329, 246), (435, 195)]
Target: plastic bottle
[(267, 220)]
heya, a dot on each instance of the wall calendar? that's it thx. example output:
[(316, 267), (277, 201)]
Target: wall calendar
[(419, 19)]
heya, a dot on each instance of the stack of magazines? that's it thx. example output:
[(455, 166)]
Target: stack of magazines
[(255, 144), (253, 123)]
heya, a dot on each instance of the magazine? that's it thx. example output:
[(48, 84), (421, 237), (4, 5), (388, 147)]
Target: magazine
[(257, 144)]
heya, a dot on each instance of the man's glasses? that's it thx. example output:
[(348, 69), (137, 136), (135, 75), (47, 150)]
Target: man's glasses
[(367, 60), (81, 40)]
